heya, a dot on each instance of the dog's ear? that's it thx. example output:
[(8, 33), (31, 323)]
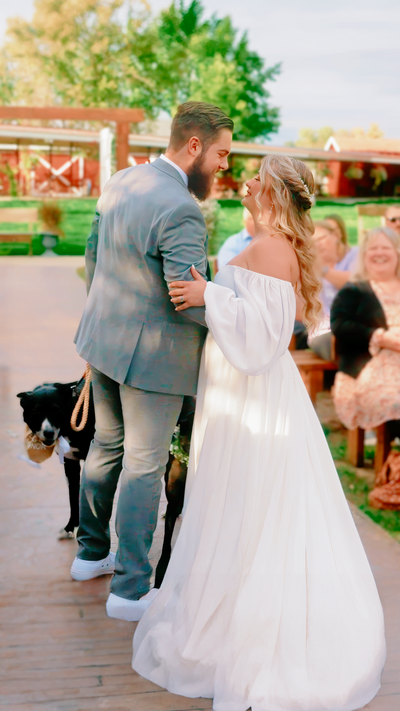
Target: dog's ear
[(23, 396)]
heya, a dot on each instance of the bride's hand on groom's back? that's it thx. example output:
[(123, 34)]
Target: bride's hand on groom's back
[(185, 294)]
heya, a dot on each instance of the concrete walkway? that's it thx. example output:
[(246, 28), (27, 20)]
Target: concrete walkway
[(58, 649)]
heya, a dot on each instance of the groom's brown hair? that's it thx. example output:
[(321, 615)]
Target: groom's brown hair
[(195, 118)]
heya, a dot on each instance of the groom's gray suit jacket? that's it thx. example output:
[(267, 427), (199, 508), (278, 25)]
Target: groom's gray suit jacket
[(147, 232)]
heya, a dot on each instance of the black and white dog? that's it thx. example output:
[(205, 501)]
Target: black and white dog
[(47, 412)]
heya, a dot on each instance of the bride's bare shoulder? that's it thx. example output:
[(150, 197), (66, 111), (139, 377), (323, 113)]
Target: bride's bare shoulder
[(274, 256)]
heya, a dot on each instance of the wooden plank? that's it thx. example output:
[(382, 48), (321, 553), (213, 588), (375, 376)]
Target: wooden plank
[(316, 384), (18, 214), (373, 209), (44, 688), (382, 446), (355, 447), (140, 698), (310, 361), (17, 237), (122, 144), (76, 673), (74, 114), (157, 701)]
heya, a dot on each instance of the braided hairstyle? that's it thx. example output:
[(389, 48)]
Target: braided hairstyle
[(291, 186)]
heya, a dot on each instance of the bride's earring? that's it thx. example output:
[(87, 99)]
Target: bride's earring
[(270, 210)]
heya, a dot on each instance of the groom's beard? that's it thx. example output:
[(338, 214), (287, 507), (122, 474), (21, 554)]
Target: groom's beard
[(200, 182)]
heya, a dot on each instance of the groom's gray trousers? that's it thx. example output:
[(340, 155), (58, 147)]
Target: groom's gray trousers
[(131, 444)]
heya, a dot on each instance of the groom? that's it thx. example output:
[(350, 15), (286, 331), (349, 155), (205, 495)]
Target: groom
[(147, 232)]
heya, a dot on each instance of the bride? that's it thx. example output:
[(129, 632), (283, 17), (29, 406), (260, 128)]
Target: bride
[(268, 601)]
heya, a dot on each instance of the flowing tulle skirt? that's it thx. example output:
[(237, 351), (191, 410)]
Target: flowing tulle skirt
[(269, 600)]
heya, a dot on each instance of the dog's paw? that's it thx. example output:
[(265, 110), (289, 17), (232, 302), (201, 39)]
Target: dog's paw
[(65, 535)]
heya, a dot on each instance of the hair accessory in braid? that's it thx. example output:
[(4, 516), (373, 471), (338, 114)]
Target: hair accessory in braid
[(305, 184)]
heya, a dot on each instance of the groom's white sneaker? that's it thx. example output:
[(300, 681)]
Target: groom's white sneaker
[(129, 610), (88, 569)]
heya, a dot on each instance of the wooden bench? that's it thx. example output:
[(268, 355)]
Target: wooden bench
[(355, 446), (372, 210), (312, 368), (18, 215)]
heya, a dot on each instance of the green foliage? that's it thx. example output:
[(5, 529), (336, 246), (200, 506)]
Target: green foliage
[(230, 221), (85, 54), (210, 62), (357, 488), (389, 520), (12, 174), (211, 210)]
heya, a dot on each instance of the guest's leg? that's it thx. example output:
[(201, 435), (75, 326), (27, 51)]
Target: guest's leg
[(149, 419), (322, 345), (101, 470)]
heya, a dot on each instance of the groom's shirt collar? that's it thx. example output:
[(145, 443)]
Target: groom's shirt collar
[(180, 171)]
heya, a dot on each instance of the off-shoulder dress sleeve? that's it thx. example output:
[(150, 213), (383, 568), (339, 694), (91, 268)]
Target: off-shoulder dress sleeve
[(252, 325)]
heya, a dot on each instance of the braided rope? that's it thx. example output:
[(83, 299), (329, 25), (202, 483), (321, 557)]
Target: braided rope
[(84, 398)]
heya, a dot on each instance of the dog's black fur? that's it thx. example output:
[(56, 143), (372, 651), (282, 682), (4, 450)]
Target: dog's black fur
[(54, 403), (175, 482)]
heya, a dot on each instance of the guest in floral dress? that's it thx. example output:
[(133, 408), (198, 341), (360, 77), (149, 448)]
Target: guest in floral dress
[(365, 319)]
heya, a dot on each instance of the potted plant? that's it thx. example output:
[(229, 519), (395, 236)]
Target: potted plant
[(51, 216)]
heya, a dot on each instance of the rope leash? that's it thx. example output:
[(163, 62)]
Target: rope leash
[(84, 398)]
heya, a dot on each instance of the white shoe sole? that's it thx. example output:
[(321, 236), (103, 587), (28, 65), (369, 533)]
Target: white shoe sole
[(129, 610)]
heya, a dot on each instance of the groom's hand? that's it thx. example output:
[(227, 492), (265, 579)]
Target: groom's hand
[(185, 294)]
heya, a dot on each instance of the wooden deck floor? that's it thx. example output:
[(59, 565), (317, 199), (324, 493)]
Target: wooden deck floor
[(58, 649)]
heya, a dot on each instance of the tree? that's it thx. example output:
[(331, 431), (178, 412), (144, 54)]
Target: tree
[(115, 53), (210, 62), (317, 138), (314, 138), (75, 53)]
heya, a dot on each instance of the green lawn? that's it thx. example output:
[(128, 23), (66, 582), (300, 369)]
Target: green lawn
[(357, 488), (78, 215)]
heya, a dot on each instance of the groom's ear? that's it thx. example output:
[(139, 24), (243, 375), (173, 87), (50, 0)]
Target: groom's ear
[(194, 147)]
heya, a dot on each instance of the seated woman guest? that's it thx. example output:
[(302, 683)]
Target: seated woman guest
[(365, 319), (335, 264), (338, 225)]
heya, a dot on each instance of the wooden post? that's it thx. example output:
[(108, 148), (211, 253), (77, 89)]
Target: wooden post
[(122, 117), (355, 447), (122, 144), (382, 446), (316, 384)]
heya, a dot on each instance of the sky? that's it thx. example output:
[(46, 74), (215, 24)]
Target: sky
[(340, 58)]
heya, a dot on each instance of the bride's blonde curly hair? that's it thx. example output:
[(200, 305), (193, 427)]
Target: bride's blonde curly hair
[(291, 189)]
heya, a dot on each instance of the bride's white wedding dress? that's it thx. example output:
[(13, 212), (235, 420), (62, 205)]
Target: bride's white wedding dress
[(269, 601)]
